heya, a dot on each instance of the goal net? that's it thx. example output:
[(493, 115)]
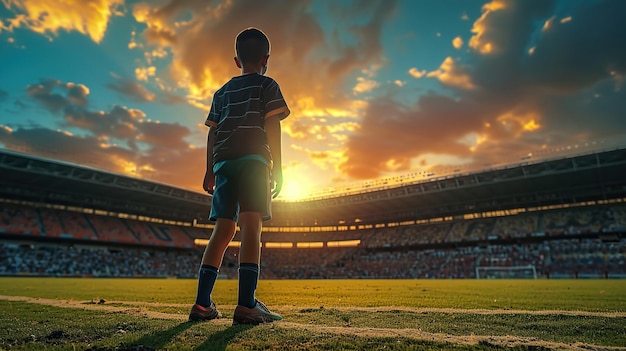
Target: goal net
[(506, 272)]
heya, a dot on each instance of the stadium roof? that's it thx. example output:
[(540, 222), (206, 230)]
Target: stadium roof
[(26, 177), (593, 176), (598, 175)]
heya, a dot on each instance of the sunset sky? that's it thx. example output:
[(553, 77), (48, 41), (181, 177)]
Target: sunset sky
[(376, 89)]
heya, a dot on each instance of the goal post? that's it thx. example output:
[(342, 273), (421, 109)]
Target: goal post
[(506, 272)]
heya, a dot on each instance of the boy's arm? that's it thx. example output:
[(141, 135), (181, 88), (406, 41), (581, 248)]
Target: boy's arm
[(209, 177), (272, 128)]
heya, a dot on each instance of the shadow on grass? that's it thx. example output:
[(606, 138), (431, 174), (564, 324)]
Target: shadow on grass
[(219, 340), (156, 341)]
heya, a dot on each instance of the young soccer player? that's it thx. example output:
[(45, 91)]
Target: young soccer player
[(244, 172)]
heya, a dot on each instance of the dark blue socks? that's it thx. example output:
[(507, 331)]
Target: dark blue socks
[(248, 278), (206, 281)]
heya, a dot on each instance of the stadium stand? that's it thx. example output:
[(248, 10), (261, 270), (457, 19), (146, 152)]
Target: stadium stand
[(566, 220), (575, 245), (112, 229), (555, 259), (94, 261), (19, 220)]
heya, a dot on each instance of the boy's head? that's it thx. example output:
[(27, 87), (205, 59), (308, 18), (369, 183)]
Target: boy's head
[(252, 47)]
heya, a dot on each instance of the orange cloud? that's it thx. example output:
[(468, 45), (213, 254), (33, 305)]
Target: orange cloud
[(457, 43), (142, 73), (450, 74), (364, 85), (518, 123), (307, 65), (44, 16), (548, 23), (415, 73), (391, 136), (481, 41), (121, 140)]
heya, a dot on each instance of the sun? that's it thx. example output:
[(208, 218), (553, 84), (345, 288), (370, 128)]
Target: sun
[(294, 189)]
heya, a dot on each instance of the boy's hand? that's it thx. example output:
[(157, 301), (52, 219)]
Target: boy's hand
[(276, 182), (209, 182)]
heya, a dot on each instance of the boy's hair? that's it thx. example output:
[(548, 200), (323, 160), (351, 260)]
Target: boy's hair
[(252, 46)]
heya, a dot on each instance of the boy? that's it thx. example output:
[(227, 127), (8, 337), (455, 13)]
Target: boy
[(243, 168)]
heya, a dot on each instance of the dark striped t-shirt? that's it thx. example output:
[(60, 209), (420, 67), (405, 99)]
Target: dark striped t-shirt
[(239, 111)]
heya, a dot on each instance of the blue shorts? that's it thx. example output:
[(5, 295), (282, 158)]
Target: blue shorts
[(241, 185)]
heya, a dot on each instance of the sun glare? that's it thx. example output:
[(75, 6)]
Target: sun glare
[(294, 189)]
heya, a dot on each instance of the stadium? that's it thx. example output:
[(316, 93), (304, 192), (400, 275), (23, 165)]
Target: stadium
[(559, 215), (93, 260)]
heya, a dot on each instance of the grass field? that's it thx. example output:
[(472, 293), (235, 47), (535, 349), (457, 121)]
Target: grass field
[(146, 314)]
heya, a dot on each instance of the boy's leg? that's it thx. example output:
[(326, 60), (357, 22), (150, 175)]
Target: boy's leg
[(249, 257), (249, 310), (254, 202), (223, 233)]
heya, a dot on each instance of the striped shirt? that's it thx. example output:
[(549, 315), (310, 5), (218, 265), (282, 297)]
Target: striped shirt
[(239, 111)]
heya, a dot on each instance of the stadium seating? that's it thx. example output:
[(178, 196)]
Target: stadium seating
[(95, 261), (76, 225), (570, 242), (19, 220), (112, 229), (563, 258)]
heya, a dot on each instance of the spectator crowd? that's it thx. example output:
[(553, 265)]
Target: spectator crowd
[(575, 242)]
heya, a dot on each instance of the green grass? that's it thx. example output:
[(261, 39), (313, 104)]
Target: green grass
[(319, 315), (585, 295)]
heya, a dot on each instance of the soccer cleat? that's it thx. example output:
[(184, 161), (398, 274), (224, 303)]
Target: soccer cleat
[(201, 313), (256, 315)]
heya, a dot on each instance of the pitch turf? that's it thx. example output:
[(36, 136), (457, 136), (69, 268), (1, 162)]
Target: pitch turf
[(147, 314)]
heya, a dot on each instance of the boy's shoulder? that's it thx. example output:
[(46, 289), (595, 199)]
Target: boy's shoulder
[(238, 82), (251, 79)]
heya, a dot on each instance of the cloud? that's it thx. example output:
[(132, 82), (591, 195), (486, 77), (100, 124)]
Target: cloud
[(506, 103), (164, 136), (44, 16), (131, 89), (120, 123), (391, 134), (495, 99), (575, 54), (71, 101), (415, 73), (566, 19), (121, 140), (326, 159), (451, 74), (43, 93), (169, 98), (77, 93), (511, 19), (457, 43), (364, 85), (202, 46), (159, 164), (136, 91), (200, 55), (143, 73)]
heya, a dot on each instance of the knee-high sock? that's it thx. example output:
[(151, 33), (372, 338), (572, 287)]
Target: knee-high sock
[(248, 278), (207, 275)]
